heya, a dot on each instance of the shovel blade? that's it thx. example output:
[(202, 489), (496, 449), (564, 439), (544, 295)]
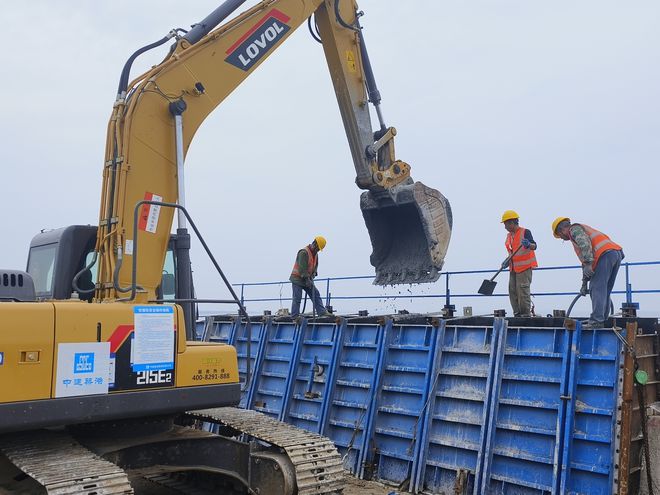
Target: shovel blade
[(487, 287), (409, 231)]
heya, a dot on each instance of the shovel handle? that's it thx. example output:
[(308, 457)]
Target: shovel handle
[(506, 261)]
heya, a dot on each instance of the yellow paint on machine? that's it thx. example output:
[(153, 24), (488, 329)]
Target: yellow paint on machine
[(32, 331), (27, 347), (207, 363), (350, 61)]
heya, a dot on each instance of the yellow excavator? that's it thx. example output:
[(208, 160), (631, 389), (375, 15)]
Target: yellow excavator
[(101, 375)]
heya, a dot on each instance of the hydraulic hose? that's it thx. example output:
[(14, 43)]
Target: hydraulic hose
[(341, 21), (126, 71), (77, 277), (570, 308), (314, 31), (575, 299)]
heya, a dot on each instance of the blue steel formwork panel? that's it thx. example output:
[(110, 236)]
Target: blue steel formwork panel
[(272, 378), (353, 390), (454, 433), (589, 436), (401, 399), (523, 448), (221, 330), (311, 372), (239, 341)]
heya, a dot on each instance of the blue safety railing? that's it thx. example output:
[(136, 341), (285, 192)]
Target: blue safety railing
[(327, 284)]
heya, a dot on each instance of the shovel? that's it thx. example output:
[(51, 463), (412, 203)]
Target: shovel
[(488, 286)]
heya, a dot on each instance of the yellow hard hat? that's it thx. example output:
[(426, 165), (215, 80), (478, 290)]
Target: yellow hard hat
[(509, 215), (320, 242), (557, 221)]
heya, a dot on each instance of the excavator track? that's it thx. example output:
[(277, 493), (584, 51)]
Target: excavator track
[(318, 465), (63, 466)]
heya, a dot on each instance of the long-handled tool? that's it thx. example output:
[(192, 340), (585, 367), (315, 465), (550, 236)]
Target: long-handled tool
[(488, 286)]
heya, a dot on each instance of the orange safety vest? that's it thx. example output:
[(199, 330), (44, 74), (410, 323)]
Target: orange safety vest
[(523, 259), (600, 243), (312, 264)]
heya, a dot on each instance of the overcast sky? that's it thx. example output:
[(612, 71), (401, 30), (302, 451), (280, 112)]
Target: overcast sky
[(549, 108)]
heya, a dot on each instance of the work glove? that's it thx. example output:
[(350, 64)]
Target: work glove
[(587, 271), (505, 264), (525, 243), (584, 290)]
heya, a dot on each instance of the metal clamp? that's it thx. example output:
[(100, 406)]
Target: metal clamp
[(391, 176)]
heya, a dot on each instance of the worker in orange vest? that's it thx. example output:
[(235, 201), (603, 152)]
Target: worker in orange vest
[(302, 276), (520, 245), (600, 258)]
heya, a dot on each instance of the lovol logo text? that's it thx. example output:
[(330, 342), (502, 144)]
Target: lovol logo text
[(256, 43)]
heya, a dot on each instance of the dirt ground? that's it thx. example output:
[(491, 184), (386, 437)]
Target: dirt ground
[(356, 486)]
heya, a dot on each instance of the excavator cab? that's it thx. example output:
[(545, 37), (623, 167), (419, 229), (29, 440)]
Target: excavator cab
[(56, 256)]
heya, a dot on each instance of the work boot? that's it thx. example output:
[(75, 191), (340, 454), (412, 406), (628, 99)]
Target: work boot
[(592, 324)]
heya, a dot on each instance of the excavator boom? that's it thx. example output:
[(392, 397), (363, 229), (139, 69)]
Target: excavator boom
[(156, 116)]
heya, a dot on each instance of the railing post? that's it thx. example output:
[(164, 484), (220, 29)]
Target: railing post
[(242, 299), (628, 285), (327, 292), (447, 291)]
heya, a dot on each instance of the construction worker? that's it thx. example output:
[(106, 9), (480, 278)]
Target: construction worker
[(302, 277), (600, 258), (520, 245)]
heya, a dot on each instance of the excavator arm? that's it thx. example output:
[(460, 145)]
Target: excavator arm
[(409, 223), (155, 118)]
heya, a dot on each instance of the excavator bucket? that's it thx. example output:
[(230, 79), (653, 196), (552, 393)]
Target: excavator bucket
[(409, 233)]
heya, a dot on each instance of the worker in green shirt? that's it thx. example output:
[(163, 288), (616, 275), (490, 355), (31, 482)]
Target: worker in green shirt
[(302, 277), (600, 257)]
